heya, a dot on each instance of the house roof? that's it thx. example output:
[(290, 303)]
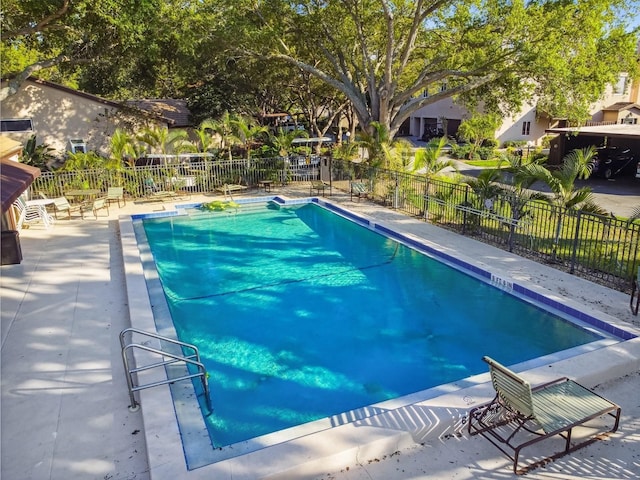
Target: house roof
[(619, 106), (617, 130), (172, 109), (77, 93), (15, 178), (104, 101)]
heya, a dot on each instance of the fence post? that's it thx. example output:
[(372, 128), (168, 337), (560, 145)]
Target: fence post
[(464, 213), (396, 192), (426, 199), (574, 247)]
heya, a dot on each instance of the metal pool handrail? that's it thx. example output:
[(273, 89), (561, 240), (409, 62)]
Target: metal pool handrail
[(193, 359)]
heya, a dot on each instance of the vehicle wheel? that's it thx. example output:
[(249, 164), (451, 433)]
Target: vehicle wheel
[(608, 173)]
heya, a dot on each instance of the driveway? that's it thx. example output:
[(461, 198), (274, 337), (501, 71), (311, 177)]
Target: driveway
[(620, 195)]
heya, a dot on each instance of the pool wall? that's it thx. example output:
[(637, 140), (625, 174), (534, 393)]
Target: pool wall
[(375, 431)]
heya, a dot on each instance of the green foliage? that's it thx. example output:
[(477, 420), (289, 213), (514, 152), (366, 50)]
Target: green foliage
[(477, 130), (124, 150), (163, 141), (346, 151), (219, 205), (429, 159), (463, 151), (39, 156), (84, 161), (255, 57), (514, 144), (380, 55)]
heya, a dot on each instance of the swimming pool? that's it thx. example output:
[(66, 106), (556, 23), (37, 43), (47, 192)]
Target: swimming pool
[(351, 271)]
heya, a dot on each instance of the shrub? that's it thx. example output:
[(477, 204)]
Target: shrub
[(461, 152), (490, 143), (514, 144), (485, 153)]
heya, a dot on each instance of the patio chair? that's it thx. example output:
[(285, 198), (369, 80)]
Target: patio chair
[(28, 214), (93, 206), (116, 194), (227, 189), (154, 192), (318, 186), (520, 416), (359, 189), (62, 205)]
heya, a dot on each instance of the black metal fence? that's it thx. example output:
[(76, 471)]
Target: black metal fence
[(192, 176), (601, 248)]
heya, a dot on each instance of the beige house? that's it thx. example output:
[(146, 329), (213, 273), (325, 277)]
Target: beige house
[(619, 105), (69, 120)]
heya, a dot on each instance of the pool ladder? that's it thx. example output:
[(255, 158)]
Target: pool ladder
[(167, 358)]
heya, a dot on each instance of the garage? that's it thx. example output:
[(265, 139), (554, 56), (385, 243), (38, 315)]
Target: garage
[(617, 135)]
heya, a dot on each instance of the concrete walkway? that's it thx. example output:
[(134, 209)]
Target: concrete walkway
[(64, 397)]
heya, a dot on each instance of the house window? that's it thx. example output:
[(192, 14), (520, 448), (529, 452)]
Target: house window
[(526, 128), (443, 86), (16, 125), (425, 93), (621, 86), (78, 146)]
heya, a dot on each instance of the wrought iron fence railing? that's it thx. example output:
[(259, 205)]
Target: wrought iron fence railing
[(601, 248), (196, 177)]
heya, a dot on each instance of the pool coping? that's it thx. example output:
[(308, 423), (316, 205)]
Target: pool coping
[(374, 433)]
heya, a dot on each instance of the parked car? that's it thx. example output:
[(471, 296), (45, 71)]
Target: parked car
[(613, 161)]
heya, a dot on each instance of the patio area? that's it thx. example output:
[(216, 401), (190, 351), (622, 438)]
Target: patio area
[(64, 395)]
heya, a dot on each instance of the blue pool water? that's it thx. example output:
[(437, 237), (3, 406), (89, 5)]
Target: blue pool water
[(300, 314)]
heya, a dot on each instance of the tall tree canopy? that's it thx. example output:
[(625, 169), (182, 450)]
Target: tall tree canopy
[(383, 54), (72, 40), (379, 55)]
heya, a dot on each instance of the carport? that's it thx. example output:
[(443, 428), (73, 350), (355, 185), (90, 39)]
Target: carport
[(620, 135)]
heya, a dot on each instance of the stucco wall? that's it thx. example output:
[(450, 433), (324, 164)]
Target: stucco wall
[(59, 115), (511, 128)]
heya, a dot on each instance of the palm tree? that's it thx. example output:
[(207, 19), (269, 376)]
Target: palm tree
[(247, 131), (346, 151), (566, 197), (223, 127), (123, 149), (204, 135), (517, 192), (282, 141), (378, 145), (486, 187), (162, 140), (429, 162)]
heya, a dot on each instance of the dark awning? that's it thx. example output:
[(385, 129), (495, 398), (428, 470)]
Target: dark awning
[(15, 179)]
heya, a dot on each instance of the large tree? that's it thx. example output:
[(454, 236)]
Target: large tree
[(72, 40), (383, 54)]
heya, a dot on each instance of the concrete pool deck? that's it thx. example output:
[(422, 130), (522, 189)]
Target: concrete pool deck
[(64, 398)]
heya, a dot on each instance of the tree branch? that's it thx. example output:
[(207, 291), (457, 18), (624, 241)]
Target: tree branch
[(41, 25), (14, 83)]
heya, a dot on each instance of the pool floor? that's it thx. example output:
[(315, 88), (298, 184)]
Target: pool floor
[(418, 365)]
